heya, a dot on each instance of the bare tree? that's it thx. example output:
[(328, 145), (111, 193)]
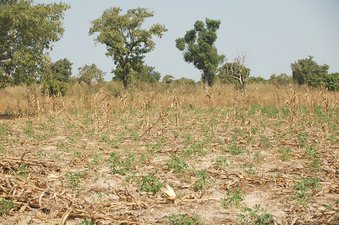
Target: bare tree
[(237, 71)]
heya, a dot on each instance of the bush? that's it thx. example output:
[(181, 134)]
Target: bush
[(332, 82)]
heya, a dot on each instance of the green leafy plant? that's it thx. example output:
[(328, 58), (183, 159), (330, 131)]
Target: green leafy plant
[(177, 164), (285, 153), (121, 166), (221, 162), (6, 206), (233, 198), (234, 149), (150, 183), (255, 216), (183, 219), (303, 187), (86, 222), (4, 129), (203, 180), (74, 179)]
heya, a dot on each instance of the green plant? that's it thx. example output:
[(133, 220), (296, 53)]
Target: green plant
[(6, 206), (302, 139), (233, 198), (150, 183), (121, 166), (4, 129), (258, 157), (86, 222), (303, 187), (183, 219), (28, 129), (285, 153), (265, 142), (255, 216), (2, 149), (74, 179), (177, 164), (221, 162), (203, 180), (234, 149), (21, 170)]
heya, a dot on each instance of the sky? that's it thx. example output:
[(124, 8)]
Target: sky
[(271, 33)]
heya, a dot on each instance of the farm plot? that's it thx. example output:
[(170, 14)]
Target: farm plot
[(172, 162)]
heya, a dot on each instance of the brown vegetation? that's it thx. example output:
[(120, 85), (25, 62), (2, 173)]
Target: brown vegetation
[(103, 155)]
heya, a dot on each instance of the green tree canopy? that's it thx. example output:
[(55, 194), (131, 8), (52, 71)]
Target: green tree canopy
[(280, 79), (62, 70), (27, 33), (91, 73), (125, 39), (307, 71), (199, 48)]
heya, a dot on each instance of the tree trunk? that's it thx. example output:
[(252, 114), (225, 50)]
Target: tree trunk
[(206, 85), (125, 82)]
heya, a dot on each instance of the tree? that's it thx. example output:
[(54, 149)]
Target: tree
[(332, 82), (62, 70), (307, 71), (256, 80), (89, 74), (281, 79), (27, 33), (168, 79), (199, 48), (236, 71), (56, 77), (125, 40), (148, 74)]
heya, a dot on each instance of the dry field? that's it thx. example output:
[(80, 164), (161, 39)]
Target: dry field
[(100, 157)]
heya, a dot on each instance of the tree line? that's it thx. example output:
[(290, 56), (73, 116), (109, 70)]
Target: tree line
[(29, 30)]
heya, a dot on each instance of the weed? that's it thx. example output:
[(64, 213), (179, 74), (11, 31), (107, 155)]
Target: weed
[(28, 129), (255, 216), (74, 179), (21, 170), (234, 149), (183, 219), (109, 141), (135, 136), (303, 187), (250, 168), (221, 162), (197, 148), (233, 198), (203, 180), (265, 142), (6, 206), (150, 183), (157, 146), (177, 164), (285, 153), (2, 149), (302, 139), (257, 157), (121, 166), (86, 222), (4, 129)]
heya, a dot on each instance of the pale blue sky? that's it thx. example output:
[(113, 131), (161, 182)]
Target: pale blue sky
[(272, 33)]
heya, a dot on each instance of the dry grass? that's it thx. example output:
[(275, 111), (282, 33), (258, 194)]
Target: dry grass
[(104, 155)]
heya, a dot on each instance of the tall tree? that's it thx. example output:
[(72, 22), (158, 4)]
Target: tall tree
[(27, 33), (199, 48), (91, 73), (307, 71), (125, 39)]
